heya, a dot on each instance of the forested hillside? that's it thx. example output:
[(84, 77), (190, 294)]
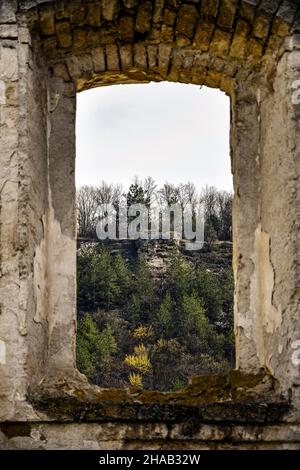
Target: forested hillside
[(156, 333), (150, 313)]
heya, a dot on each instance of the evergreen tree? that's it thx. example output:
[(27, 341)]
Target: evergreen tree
[(136, 194), (163, 321), (93, 346), (207, 287), (124, 280), (180, 274), (107, 288), (86, 280), (196, 330), (142, 302)]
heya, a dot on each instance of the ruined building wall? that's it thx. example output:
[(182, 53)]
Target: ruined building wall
[(49, 50)]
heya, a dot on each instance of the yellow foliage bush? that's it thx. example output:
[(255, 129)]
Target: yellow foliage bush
[(143, 332), (135, 380), (139, 362)]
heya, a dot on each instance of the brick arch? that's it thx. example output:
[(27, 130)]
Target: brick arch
[(49, 50), (208, 42)]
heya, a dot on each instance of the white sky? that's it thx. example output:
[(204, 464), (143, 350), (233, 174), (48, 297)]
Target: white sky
[(172, 132)]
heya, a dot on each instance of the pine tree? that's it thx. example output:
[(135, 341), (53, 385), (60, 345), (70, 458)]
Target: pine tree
[(107, 288), (163, 320), (136, 194), (124, 280), (93, 346), (141, 303)]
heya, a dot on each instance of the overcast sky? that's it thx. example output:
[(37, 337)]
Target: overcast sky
[(172, 132)]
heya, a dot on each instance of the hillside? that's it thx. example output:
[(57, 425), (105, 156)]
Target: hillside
[(147, 306)]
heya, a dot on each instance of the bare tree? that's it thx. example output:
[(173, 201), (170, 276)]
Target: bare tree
[(86, 199), (168, 194), (224, 201), (109, 193), (209, 197), (187, 195), (149, 187), (191, 194), (182, 195)]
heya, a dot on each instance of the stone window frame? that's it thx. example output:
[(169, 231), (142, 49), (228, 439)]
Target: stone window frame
[(44, 70)]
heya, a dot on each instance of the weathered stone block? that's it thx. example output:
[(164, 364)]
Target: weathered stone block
[(144, 17), (61, 71), (79, 37), (92, 38), (49, 45), (169, 17), (210, 7), (126, 28), (227, 13), (126, 56), (86, 64), (203, 35), (8, 31), (74, 69), (47, 21), (24, 35), (140, 56), (198, 75), (93, 17), (261, 26), (220, 43), (112, 57), (8, 9), (247, 10), (186, 21), (164, 57), (98, 58), (110, 9), (152, 56), (280, 27), (255, 48), (239, 43), (155, 35), (77, 11), (158, 11), (61, 10), (274, 43), (167, 33), (64, 34)]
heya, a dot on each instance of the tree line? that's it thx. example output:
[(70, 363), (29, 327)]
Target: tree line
[(217, 204)]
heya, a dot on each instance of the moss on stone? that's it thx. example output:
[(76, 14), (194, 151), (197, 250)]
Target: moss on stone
[(232, 397)]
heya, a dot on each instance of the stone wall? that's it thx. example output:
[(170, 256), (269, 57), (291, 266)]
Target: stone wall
[(209, 42), (51, 49)]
